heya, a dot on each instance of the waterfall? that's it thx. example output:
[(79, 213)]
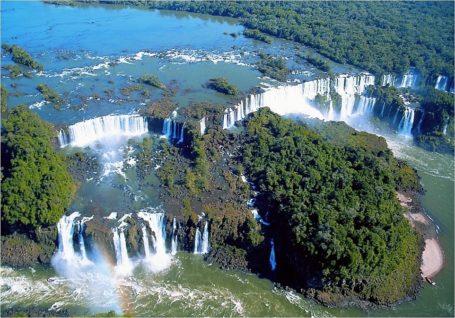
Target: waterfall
[(272, 259), (347, 106), (89, 131), (382, 110), (365, 105), (205, 239), (331, 113), (201, 242), (124, 264), (406, 122), (167, 128), (174, 241), (407, 80), (83, 251), (299, 99), (231, 117), (197, 239), (202, 125), (441, 83), (93, 281), (174, 131), (159, 259), (419, 125), (444, 131), (182, 135), (225, 119), (145, 238), (65, 228), (388, 79), (395, 117)]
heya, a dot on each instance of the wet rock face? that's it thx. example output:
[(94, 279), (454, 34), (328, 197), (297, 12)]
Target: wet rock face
[(19, 250), (229, 257)]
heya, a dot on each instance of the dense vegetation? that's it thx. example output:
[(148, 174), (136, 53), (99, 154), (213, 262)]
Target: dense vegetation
[(335, 216), (381, 37), (273, 67), (36, 187), (222, 85), (20, 56), (50, 95), (4, 98), (318, 62), (257, 35), (152, 81)]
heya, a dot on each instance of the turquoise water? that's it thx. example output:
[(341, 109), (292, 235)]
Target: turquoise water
[(89, 54)]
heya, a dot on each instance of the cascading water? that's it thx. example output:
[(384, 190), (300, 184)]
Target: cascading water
[(226, 119), (205, 239), (419, 125), (396, 116), (283, 100), (441, 83), (382, 110), (159, 259), (82, 249), (174, 242), (145, 238), (124, 265), (272, 260), (365, 105), (202, 125), (197, 241), (201, 242), (65, 228), (406, 122), (94, 277), (388, 79), (89, 131), (167, 128), (182, 135), (174, 131), (407, 80)]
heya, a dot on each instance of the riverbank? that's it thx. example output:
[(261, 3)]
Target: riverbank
[(432, 255)]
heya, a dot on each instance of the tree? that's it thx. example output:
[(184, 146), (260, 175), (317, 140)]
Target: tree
[(37, 187)]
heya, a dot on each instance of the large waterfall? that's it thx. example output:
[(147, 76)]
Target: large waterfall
[(201, 242), (156, 259), (89, 131), (300, 99)]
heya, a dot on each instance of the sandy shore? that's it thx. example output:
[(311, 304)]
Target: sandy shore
[(432, 256)]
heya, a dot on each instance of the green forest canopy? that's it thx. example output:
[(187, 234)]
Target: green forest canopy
[(334, 210), (36, 186)]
